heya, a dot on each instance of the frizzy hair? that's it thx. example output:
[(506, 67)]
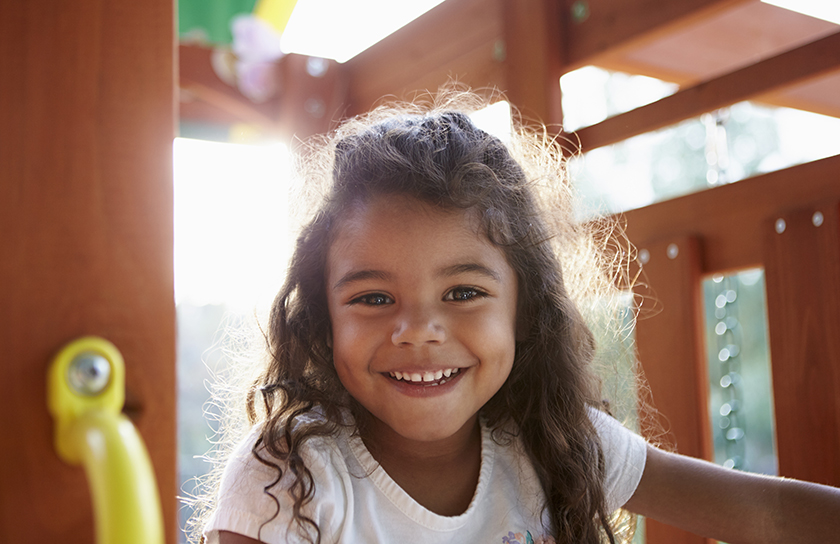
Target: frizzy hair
[(519, 192)]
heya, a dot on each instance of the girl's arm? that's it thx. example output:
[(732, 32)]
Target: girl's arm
[(734, 506)]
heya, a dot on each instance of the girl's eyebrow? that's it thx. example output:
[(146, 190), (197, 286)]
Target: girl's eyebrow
[(448, 271), (463, 268), (361, 275)]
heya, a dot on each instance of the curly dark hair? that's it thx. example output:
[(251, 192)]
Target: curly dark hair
[(442, 159)]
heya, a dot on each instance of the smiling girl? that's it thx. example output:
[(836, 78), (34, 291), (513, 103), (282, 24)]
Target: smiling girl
[(429, 375)]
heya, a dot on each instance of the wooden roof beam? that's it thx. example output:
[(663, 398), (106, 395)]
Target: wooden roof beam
[(458, 39), (791, 67), (604, 27)]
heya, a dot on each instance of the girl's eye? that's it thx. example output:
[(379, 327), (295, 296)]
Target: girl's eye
[(373, 299), (461, 294)]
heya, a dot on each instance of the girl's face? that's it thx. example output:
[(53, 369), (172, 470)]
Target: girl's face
[(423, 314)]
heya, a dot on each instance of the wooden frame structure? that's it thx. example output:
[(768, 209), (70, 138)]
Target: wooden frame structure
[(87, 103), (523, 46)]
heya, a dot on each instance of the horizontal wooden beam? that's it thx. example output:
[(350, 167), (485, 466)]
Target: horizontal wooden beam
[(793, 66), (457, 40), (730, 219), (205, 97), (603, 27)]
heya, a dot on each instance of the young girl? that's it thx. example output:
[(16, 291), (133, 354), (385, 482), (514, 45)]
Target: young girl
[(429, 376)]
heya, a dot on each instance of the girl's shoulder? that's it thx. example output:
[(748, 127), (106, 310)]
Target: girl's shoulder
[(625, 454), (254, 495)]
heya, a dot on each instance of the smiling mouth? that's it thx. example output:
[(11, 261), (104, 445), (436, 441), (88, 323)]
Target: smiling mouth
[(438, 377)]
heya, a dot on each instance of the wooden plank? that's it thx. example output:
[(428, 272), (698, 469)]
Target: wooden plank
[(205, 97), (808, 61), (729, 218), (604, 26), (802, 270), (432, 44), (309, 104), (671, 351), (534, 58), (87, 117)]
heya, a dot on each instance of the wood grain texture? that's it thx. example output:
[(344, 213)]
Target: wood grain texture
[(86, 124), (808, 61), (533, 32), (612, 25), (671, 352), (802, 267), (729, 219), (454, 41)]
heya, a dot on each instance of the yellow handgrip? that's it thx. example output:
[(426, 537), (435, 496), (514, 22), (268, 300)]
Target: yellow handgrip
[(85, 393)]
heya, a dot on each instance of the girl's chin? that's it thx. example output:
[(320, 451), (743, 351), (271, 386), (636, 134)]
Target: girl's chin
[(434, 428)]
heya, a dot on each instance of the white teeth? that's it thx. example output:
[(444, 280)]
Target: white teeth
[(427, 376)]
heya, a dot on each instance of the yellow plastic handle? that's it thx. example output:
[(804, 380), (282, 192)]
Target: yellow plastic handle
[(85, 393)]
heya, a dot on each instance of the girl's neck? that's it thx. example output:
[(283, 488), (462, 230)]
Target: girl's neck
[(442, 475)]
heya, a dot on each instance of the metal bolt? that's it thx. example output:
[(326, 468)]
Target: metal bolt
[(780, 225), (673, 250), (316, 66), (315, 107), (499, 51), (580, 11), (817, 219), (89, 374)]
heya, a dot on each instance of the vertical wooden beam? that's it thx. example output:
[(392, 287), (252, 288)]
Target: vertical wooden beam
[(87, 119), (803, 302), (533, 38), (671, 351)]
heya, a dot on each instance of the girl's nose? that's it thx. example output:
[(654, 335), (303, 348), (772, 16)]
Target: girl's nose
[(417, 328)]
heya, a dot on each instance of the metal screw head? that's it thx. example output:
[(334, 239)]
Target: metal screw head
[(315, 107), (499, 51), (781, 225), (673, 250), (316, 66), (817, 219), (580, 11), (644, 256), (89, 374)]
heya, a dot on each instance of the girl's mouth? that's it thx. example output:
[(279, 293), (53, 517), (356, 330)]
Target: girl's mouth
[(428, 378)]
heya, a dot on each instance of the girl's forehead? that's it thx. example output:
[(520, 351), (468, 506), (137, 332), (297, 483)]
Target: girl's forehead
[(397, 211), (388, 226)]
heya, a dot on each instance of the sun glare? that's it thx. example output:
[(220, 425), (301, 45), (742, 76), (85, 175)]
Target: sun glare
[(827, 10), (340, 30), (232, 237)]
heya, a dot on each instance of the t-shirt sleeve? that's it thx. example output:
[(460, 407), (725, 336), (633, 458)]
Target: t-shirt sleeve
[(625, 453), (244, 507)]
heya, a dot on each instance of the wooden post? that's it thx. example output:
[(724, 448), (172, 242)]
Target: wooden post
[(671, 352), (86, 125), (533, 38), (802, 260)]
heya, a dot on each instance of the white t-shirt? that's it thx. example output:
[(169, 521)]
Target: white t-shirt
[(357, 501)]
